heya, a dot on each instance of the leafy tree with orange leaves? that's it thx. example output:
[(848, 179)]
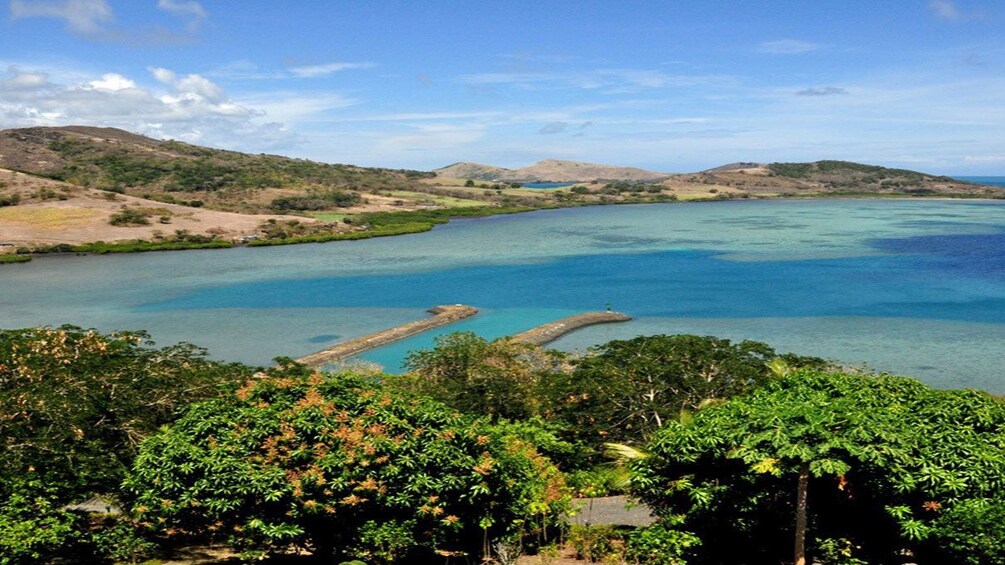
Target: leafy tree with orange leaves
[(343, 467), (74, 406)]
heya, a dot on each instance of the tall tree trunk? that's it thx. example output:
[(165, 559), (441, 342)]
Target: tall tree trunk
[(804, 486)]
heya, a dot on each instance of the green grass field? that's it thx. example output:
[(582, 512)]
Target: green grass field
[(447, 201), (329, 216)]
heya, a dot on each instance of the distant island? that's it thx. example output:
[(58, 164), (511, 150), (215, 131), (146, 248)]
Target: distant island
[(91, 189)]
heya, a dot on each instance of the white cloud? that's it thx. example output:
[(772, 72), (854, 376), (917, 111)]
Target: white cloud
[(19, 81), (946, 10), (327, 69), (787, 47), (294, 108), (94, 19), (87, 17), (165, 76), (112, 81), (985, 158), (612, 81), (188, 107), (185, 8)]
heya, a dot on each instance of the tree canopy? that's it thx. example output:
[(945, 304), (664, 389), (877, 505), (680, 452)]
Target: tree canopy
[(75, 405), (625, 390), (499, 378), (339, 465), (889, 463)]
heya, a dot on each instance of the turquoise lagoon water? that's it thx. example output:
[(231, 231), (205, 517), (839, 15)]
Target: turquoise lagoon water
[(909, 287), (547, 184)]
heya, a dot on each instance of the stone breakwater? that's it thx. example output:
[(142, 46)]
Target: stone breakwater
[(550, 332), (442, 315)]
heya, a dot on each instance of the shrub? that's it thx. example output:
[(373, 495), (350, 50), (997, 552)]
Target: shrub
[(317, 201), (128, 217), (885, 463), (972, 532), (659, 545)]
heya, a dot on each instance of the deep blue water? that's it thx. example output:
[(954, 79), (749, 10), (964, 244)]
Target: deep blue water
[(907, 284), (993, 181)]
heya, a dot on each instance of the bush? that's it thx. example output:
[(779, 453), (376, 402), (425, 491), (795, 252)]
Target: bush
[(596, 543), (659, 545), (317, 201), (33, 527), (337, 464), (128, 217), (10, 199), (972, 532)]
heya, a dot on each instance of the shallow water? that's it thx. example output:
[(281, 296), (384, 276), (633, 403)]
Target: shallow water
[(911, 287)]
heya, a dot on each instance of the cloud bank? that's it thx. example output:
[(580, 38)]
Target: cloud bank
[(189, 107)]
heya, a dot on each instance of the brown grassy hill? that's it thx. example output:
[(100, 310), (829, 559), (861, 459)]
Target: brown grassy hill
[(175, 172), (474, 171), (549, 170)]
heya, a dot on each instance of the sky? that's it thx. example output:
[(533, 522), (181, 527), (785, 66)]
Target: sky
[(667, 85)]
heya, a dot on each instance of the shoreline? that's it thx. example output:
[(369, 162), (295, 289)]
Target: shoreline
[(447, 214)]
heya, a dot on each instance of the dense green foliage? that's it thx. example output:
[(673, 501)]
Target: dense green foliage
[(383, 231), (431, 217), (182, 167), (383, 224), (14, 258), (75, 405), (129, 217), (893, 465), (499, 378), (625, 390), (180, 239), (323, 200), (971, 532), (463, 454), (803, 170), (138, 246), (337, 464)]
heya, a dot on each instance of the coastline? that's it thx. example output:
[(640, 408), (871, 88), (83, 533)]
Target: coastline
[(429, 219)]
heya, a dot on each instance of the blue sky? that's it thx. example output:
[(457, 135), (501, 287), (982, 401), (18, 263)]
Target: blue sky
[(666, 85)]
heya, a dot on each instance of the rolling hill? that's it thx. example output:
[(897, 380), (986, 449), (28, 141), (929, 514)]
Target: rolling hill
[(176, 172), (822, 178), (549, 170), (76, 185)]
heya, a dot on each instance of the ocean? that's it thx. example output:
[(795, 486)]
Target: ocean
[(904, 286)]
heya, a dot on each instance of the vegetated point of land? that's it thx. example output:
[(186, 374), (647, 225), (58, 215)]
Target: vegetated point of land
[(63, 188)]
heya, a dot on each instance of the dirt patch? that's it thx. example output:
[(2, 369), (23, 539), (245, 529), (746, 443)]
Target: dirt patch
[(52, 212)]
